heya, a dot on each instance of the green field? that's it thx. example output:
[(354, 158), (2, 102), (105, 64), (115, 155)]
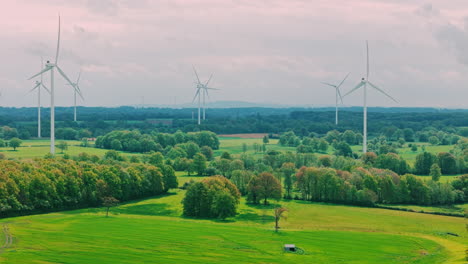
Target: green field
[(153, 231), (39, 148)]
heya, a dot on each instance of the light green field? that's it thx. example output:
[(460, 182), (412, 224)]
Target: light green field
[(233, 145), (452, 209), (39, 148), (153, 231)]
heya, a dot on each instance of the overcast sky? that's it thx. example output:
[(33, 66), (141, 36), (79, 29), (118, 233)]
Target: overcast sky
[(274, 51)]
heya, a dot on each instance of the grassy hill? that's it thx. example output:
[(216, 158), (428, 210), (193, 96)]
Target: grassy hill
[(153, 231)]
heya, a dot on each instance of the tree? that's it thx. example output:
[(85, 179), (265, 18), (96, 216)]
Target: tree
[(263, 187), (196, 200), (199, 164), (116, 144), (207, 151), (343, 149), (265, 139), (62, 145), (433, 140), (244, 147), (15, 143), (369, 158), (109, 202), (424, 162), (325, 160), (447, 163), (226, 155), (223, 205), (435, 172), (278, 215), (215, 196), (288, 169)]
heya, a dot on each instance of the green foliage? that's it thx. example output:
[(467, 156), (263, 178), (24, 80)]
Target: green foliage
[(199, 164), (15, 143), (424, 162), (135, 141), (57, 184), (263, 187), (62, 145), (435, 172), (214, 197)]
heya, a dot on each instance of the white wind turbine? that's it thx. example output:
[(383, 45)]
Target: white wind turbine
[(76, 90), (50, 67), (205, 88), (364, 82), (38, 86), (337, 95)]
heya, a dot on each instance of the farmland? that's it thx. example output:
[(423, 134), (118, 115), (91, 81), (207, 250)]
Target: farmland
[(153, 230)]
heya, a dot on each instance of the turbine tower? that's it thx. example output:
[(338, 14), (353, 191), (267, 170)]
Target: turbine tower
[(337, 95), (50, 67), (364, 82), (38, 86)]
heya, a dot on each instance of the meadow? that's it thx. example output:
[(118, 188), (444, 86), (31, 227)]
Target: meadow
[(153, 230)]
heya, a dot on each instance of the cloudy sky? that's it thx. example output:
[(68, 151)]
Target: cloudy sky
[(270, 51)]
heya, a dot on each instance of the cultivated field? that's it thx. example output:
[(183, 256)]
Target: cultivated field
[(153, 231)]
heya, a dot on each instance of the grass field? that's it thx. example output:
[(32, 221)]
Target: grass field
[(39, 148), (153, 231)]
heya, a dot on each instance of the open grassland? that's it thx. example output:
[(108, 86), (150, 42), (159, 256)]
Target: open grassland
[(233, 145), (153, 231), (459, 209), (30, 149)]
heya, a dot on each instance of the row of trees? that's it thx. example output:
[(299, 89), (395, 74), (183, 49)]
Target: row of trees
[(135, 141), (55, 184), (370, 186)]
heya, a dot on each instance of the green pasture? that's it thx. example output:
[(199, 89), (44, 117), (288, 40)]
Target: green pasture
[(39, 148), (234, 145), (153, 231), (459, 209)]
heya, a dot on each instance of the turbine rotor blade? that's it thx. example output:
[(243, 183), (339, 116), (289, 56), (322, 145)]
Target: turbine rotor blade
[(58, 42), (196, 74), (367, 50), (35, 87), (42, 66), (343, 81), (64, 76), (78, 90), (207, 82), (339, 94), (329, 84), (197, 93), (78, 79), (380, 90), (355, 88), (41, 72), (47, 89), (206, 91), (209, 88)]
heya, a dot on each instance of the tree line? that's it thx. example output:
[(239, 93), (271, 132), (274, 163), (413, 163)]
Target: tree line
[(52, 184)]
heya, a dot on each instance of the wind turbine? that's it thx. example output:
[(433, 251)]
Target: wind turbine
[(76, 90), (338, 94), (364, 82), (38, 86), (50, 67), (201, 86)]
